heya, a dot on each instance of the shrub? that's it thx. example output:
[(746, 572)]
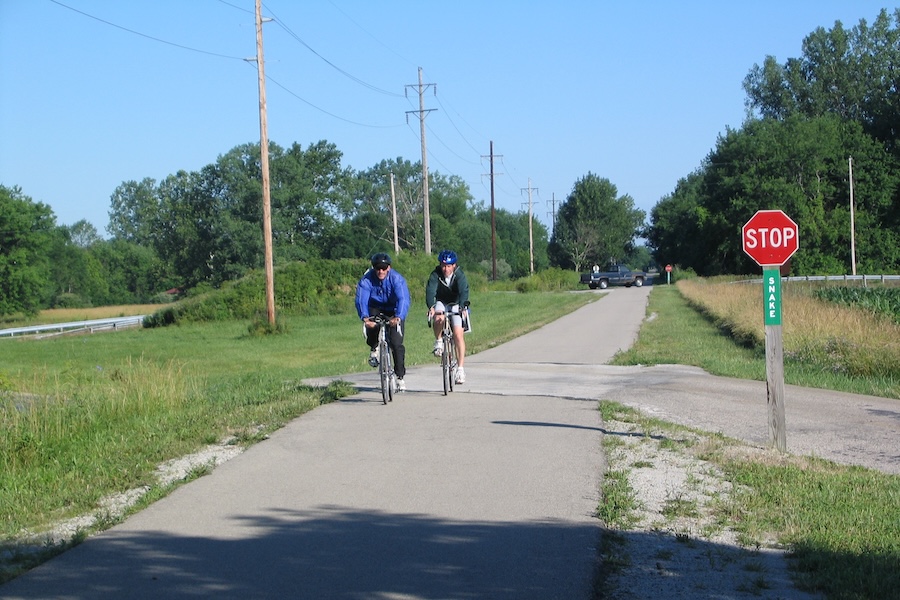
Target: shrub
[(67, 300), (315, 286)]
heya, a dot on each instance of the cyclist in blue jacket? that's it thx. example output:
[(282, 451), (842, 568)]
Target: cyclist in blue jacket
[(383, 291)]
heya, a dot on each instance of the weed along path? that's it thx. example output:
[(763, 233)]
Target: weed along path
[(490, 492)]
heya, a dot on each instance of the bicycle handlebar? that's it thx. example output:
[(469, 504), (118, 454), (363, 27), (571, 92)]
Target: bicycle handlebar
[(380, 319), (465, 308)]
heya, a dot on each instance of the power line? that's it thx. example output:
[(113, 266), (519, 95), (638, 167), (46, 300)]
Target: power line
[(329, 63), (322, 110), (144, 35)]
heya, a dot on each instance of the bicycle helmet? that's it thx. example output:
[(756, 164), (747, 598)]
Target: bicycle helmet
[(447, 257), (380, 258)]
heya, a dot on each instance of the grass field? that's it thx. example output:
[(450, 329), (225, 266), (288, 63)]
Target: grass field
[(90, 415), (841, 523)]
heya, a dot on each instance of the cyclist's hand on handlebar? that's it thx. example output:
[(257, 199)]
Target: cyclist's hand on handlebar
[(369, 322), (394, 321)]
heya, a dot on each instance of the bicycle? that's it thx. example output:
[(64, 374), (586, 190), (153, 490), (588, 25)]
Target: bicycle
[(385, 360), (449, 361)]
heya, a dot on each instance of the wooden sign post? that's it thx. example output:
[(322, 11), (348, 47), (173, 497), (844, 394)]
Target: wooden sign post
[(770, 238)]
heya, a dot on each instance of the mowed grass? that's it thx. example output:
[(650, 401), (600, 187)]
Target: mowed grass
[(85, 416), (841, 524)]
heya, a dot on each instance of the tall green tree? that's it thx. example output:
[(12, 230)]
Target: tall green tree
[(798, 165), (77, 277), (676, 222), (310, 199), (26, 236), (133, 273), (375, 203), (134, 212), (848, 73), (594, 225)]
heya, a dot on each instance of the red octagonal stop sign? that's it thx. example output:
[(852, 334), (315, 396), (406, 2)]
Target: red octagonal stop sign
[(770, 237)]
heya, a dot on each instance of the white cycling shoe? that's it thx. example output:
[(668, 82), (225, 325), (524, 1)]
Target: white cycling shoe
[(373, 359), (438, 347), (401, 385), (460, 375)]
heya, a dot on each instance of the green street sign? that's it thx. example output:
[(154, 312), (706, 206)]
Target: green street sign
[(772, 296)]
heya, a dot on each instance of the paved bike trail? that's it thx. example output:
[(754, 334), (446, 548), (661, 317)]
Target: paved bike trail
[(487, 493), (464, 496)]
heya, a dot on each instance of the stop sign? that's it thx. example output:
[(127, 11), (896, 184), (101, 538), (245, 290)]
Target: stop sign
[(770, 237)]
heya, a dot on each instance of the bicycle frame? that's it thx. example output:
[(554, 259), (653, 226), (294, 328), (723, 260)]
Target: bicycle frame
[(385, 360), (448, 356)]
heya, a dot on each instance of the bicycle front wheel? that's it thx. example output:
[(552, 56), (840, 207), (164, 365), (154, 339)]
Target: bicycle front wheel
[(386, 370), (446, 371)]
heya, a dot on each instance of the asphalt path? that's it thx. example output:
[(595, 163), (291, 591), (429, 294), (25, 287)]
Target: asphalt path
[(489, 492)]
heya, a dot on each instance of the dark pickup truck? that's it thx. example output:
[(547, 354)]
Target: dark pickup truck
[(613, 275)]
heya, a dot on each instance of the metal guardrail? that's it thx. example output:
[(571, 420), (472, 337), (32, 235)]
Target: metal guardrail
[(864, 278), (89, 326)]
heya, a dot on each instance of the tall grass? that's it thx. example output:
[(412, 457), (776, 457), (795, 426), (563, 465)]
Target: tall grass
[(825, 344), (75, 436)]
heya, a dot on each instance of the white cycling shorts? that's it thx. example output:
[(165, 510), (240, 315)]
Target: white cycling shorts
[(455, 316)]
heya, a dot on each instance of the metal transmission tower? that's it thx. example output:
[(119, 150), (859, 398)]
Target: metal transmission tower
[(493, 216), (422, 112), (553, 214)]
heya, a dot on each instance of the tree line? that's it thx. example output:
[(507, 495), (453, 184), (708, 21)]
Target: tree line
[(809, 118), (812, 120), (198, 230)]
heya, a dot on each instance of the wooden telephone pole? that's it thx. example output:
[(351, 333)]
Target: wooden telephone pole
[(422, 113), (530, 227), (394, 216), (264, 167)]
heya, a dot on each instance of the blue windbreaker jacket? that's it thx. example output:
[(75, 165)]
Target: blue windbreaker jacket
[(390, 296)]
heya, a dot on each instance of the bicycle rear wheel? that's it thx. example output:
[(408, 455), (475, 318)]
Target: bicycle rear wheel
[(386, 371)]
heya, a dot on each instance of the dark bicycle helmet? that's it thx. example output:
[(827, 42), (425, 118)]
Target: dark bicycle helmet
[(380, 258), (447, 257)]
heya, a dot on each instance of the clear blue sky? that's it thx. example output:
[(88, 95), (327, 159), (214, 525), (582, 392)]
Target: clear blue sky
[(636, 92)]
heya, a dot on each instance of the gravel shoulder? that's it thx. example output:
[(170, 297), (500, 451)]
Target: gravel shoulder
[(676, 546)]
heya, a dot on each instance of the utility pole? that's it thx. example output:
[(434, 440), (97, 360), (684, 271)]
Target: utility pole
[(422, 112), (852, 225), (394, 215), (530, 228), (493, 219), (264, 167)]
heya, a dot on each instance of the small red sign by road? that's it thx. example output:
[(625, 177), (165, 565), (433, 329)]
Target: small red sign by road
[(668, 268), (770, 237)]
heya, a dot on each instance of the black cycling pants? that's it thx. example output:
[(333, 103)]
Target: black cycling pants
[(395, 341)]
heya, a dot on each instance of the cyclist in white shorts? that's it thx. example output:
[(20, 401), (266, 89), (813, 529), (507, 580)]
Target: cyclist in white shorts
[(447, 286)]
